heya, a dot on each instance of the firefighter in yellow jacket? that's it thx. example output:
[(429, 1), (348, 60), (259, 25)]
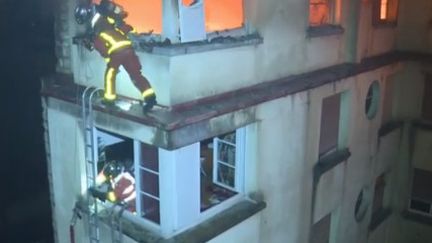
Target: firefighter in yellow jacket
[(108, 36)]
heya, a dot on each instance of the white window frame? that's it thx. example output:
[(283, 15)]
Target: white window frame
[(238, 161), (136, 158)]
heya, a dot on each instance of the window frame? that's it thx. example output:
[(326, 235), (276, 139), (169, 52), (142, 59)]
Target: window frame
[(239, 161), (332, 26), (154, 227), (391, 10)]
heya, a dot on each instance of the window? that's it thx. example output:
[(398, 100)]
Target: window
[(388, 101), (427, 98), (421, 194), (321, 230), (330, 117), (199, 17), (378, 199), (144, 16), (385, 11), (372, 100), (221, 168), (324, 12), (141, 162)]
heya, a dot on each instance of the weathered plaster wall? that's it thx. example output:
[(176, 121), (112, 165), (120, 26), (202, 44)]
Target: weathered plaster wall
[(415, 26), (67, 174), (247, 231)]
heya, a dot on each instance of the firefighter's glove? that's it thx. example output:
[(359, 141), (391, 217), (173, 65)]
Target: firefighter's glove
[(97, 193)]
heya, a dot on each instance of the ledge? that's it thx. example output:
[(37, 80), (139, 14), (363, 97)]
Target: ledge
[(418, 218), (218, 43), (423, 125), (379, 217), (324, 30), (329, 161), (203, 232), (197, 113), (389, 127)]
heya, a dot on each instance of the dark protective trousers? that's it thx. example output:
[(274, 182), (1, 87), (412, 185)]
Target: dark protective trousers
[(127, 58)]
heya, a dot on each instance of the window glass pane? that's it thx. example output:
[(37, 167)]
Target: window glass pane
[(318, 12), (149, 157), (144, 16), (223, 14), (329, 124), (226, 153), (150, 183), (150, 209), (226, 175)]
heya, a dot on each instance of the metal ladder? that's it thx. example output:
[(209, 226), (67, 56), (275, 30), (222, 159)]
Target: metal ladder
[(91, 163)]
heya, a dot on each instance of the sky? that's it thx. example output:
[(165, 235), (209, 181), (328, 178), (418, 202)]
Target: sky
[(27, 55)]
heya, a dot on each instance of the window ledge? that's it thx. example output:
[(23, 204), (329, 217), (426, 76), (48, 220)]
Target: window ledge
[(324, 30), (223, 42), (202, 232), (416, 217), (385, 24), (379, 217), (329, 161), (389, 127)]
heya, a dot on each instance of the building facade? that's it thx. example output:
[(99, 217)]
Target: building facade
[(282, 121)]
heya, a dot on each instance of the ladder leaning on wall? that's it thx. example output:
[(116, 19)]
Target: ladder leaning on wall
[(90, 158), (91, 170)]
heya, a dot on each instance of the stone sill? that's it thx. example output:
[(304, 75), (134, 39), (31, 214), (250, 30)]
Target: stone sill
[(422, 125), (416, 217), (202, 232), (329, 161), (379, 217), (324, 30), (389, 127), (218, 43), (385, 24)]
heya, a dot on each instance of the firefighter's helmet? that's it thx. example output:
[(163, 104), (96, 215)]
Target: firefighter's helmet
[(83, 13), (113, 168)]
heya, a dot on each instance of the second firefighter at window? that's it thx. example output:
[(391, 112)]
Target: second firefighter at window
[(108, 34)]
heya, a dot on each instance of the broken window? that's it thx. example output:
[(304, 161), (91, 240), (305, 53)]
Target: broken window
[(323, 12), (128, 172), (223, 14), (144, 16), (421, 194), (385, 11), (329, 132), (221, 168)]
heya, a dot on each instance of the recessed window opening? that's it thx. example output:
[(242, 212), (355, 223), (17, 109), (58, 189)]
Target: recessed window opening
[(324, 12), (223, 14), (144, 16), (384, 9), (220, 169), (372, 100), (128, 173), (330, 118), (421, 195)]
